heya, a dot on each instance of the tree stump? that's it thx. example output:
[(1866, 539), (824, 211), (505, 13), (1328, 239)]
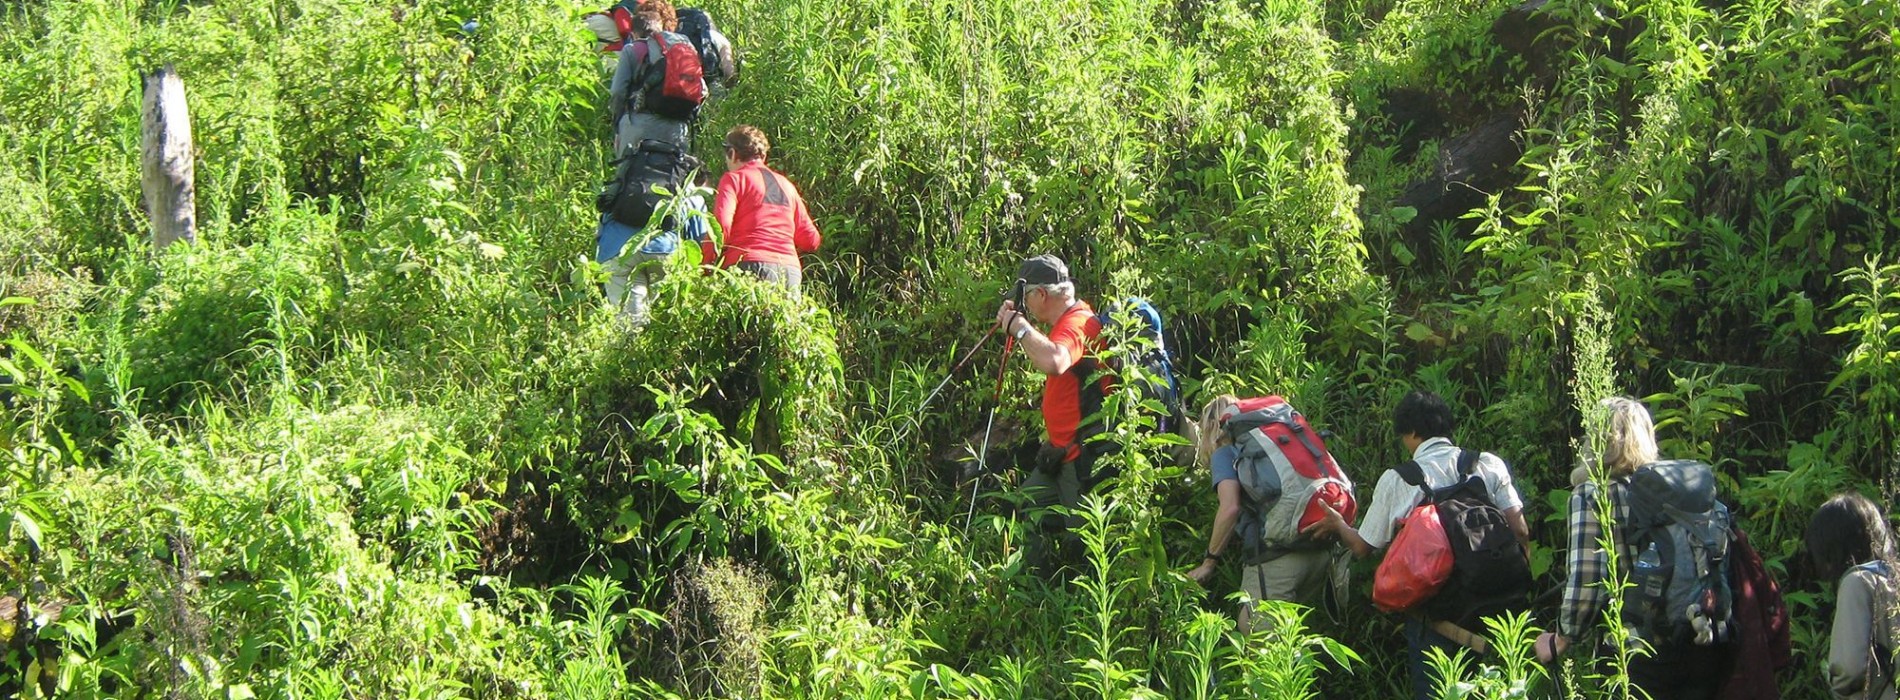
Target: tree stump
[(1470, 167), (166, 160)]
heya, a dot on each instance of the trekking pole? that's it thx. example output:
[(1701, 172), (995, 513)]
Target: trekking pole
[(954, 369), (1017, 295), (983, 455)]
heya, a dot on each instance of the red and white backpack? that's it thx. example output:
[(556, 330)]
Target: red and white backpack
[(611, 26), (1285, 470)]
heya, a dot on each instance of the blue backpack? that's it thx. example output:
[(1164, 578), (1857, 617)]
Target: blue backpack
[(1160, 384)]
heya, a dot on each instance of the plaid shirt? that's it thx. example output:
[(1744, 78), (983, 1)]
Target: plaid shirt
[(1586, 593)]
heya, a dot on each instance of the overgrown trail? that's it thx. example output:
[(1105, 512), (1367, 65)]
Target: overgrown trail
[(374, 434)]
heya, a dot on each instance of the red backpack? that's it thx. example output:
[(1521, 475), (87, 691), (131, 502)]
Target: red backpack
[(1285, 470), (675, 82), (1762, 617)]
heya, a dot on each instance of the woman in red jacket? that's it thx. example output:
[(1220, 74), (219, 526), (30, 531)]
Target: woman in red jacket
[(763, 217)]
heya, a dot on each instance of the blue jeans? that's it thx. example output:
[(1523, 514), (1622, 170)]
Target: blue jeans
[(1418, 639)]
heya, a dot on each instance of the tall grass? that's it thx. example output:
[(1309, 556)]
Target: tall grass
[(377, 436)]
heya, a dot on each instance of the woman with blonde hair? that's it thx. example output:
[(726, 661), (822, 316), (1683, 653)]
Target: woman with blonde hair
[(1671, 668), (1296, 575)]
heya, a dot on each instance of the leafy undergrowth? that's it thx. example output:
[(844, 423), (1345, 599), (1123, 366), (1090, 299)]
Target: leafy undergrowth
[(376, 436)]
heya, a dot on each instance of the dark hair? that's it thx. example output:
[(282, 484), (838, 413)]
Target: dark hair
[(1424, 414), (1847, 531)]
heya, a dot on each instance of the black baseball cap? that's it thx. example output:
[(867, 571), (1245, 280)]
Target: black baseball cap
[(1043, 269)]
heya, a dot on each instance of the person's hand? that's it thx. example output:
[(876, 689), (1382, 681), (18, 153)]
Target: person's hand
[(1201, 573), (1005, 313), (1328, 526), (1549, 646)]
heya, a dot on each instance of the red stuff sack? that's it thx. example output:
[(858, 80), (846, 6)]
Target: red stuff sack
[(1418, 564)]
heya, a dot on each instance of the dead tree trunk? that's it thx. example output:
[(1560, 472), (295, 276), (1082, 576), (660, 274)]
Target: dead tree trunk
[(170, 198), (1471, 167)]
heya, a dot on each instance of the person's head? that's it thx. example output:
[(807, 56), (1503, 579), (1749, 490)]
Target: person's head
[(1421, 416), (745, 143), (1210, 436), (1629, 436), (1048, 291), (654, 16), (1847, 531)]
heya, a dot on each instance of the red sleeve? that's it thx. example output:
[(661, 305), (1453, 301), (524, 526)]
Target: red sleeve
[(1068, 334), (805, 233), (726, 201)]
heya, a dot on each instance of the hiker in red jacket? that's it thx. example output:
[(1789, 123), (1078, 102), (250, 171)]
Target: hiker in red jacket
[(1068, 355), (764, 219)]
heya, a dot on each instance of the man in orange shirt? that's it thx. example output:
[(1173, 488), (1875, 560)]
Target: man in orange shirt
[(1072, 391), (764, 219)]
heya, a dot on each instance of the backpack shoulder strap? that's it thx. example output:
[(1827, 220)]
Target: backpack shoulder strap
[(649, 51), (1414, 474), (1468, 462)]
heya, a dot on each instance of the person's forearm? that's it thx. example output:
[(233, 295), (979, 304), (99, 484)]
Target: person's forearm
[(617, 88), (1520, 528), (807, 238), (1356, 542), (1224, 520), (1046, 356)]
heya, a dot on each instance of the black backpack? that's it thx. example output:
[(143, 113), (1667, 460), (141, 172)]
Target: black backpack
[(698, 28), (1681, 535), (630, 195), (1490, 574)]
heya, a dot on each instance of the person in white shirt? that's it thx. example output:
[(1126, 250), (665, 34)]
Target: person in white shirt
[(1424, 424)]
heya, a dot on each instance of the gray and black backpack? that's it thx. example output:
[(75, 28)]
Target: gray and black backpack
[(1680, 583), (630, 197)]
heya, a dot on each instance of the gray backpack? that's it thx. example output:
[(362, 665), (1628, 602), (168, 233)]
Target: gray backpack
[(1680, 590)]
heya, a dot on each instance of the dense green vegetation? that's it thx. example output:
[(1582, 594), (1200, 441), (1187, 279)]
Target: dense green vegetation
[(376, 435)]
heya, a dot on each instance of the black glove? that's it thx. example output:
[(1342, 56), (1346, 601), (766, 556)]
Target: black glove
[(604, 202), (1050, 458)]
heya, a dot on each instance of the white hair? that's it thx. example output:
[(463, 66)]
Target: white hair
[(1065, 288)]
